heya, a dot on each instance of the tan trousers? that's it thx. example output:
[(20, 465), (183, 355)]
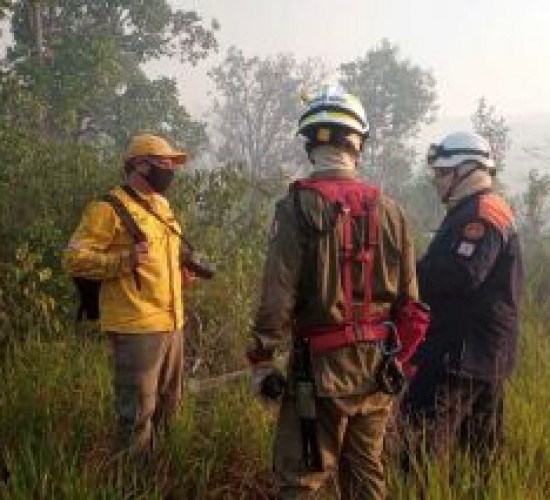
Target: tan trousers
[(350, 435), (148, 371)]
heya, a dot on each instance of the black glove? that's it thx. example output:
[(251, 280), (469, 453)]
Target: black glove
[(273, 385), (390, 376)]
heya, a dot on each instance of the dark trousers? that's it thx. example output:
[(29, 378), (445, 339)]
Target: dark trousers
[(451, 410)]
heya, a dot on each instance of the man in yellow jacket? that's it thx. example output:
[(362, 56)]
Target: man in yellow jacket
[(140, 299)]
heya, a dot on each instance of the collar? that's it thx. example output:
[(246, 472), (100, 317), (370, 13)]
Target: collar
[(328, 157), (337, 173), (467, 199)]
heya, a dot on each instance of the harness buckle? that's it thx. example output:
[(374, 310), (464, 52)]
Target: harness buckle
[(391, 345)]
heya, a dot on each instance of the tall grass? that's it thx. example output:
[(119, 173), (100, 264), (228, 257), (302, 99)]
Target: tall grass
[(56, 422), (523, 469)]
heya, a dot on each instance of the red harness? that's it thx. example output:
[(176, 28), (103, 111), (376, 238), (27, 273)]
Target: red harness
[(354, 199)]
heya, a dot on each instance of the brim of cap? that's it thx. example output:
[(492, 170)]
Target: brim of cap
[(179, 157)]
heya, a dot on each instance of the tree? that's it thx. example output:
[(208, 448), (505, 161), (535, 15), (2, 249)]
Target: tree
[(423, 208), (256, 109), (399, 97), (5, 8), (82, 60), (535, 201), (147, 105), (488, 124)]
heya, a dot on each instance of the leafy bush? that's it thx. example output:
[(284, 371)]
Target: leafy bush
[(25, 303), (226, 216)]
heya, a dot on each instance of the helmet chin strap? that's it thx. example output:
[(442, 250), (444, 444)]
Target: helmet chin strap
[(456, 181)]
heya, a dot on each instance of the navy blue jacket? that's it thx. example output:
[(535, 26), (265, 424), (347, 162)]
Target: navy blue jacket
[(471, 276)]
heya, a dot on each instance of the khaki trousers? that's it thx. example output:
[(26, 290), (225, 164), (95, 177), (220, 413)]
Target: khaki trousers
[(148, 371), (350, 435)]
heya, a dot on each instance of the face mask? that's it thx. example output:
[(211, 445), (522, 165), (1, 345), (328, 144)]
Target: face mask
[(442, 185), (159, 178)]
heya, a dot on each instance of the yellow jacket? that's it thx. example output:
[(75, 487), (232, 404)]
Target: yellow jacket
[(100, 249)]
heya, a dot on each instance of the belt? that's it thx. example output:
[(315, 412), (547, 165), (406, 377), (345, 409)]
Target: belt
[(330, 337)]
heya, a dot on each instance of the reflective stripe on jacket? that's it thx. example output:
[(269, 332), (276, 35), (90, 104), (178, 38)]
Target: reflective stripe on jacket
[(100, 249)]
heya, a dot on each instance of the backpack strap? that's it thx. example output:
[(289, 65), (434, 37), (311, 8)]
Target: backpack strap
[(201, 269), (352, 200), (366, 255), (143, 203), (347, 259), (137, 235)]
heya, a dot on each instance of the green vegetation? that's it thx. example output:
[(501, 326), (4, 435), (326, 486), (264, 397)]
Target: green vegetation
[(56, 419), (56, 416), (72, 90)]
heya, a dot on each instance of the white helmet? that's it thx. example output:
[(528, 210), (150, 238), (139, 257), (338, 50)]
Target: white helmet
[(461, 147), (332, 108)]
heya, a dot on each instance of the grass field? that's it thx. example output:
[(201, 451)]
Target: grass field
[(56, 421)]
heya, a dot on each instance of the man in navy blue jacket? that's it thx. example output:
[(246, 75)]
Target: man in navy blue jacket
[(471, 276)]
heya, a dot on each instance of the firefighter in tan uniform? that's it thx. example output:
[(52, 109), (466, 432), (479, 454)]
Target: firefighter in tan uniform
[(340, 259), (140, 301)]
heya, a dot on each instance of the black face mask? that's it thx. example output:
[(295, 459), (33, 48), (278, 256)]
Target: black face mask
[(159, 178)]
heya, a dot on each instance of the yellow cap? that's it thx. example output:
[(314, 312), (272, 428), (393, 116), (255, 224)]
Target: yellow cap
[(153, 145)]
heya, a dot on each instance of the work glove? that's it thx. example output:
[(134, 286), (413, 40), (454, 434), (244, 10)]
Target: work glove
[(390, 376), (411, 319), (267, 380)]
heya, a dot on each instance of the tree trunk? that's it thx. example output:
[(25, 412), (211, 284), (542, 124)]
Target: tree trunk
[(36, 13)]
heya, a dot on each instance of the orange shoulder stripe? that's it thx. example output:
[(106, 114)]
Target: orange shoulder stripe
[(495, 210)]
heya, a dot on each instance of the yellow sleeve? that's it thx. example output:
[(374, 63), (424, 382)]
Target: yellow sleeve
[(89, 253)]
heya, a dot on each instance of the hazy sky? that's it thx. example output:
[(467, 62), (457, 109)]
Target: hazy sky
[(496, 48)]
